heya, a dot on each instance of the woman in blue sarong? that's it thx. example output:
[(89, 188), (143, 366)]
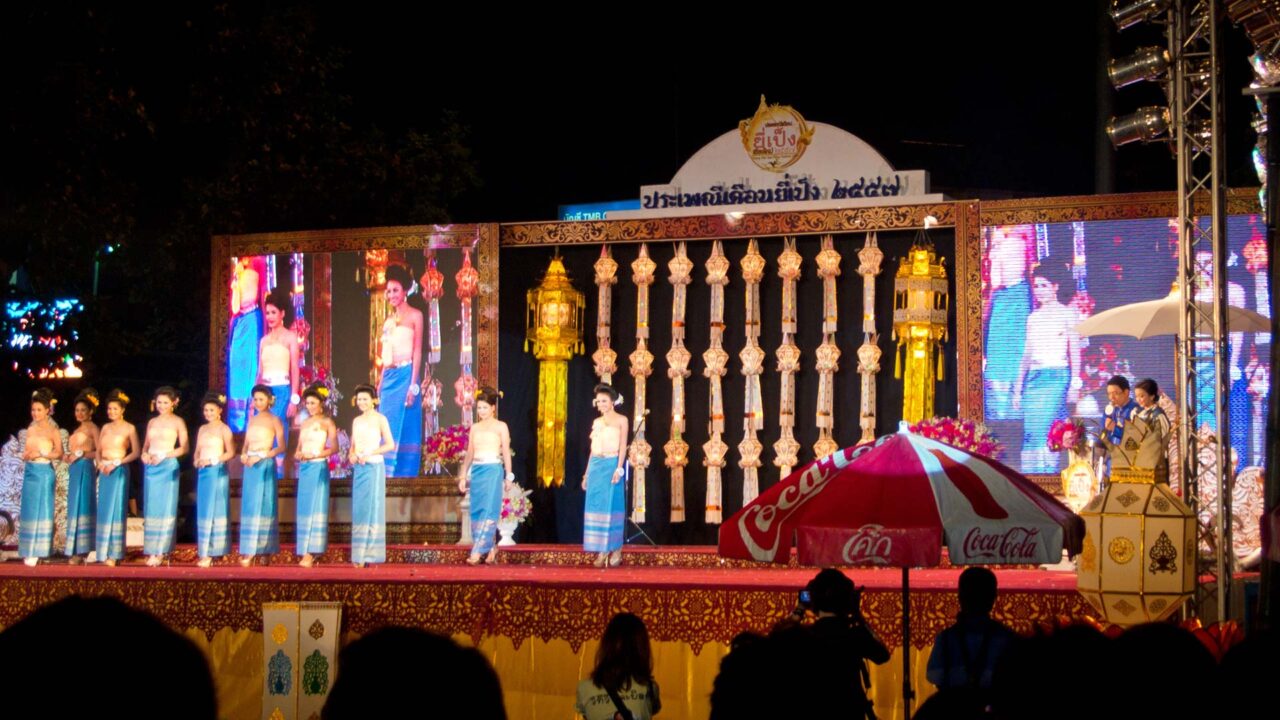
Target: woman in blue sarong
[(82, 451), (43, 446), (317, 441), (370, 440), (606, 503), (487, 470), (399, 388), (117, 447), (1048, 383), (242, 347), (214, 447), (263, 441), (166, 441), (278, 357)]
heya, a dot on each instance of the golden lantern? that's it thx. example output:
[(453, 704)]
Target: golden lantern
[(1138, 563), (919, 325), (554, 326)]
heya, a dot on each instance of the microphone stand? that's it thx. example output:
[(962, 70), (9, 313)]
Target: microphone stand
[(626, 483)]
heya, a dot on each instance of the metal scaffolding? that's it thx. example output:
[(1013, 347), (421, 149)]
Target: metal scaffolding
[(1198, 127)]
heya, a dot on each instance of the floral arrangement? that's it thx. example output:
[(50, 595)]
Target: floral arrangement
[(1100, 362), (448, 446), (339, 462), (1218, 638), (1065, 434), (516, 505), (320, 374), (964, 434)]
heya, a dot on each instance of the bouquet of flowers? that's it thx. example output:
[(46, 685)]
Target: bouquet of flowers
[(1065, 434), (448, 445), (321, 374), (339, 464), (516, 505), (964, 434)]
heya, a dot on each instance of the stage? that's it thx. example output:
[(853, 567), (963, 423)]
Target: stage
[(535, 614)]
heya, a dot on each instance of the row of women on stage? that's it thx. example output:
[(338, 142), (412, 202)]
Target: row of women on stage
[(96, 520)]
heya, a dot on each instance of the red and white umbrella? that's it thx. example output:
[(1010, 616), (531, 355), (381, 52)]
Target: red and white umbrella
[(894, 504)]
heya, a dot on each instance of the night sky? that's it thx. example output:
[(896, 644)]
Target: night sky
[(583, 109), (124, 123)]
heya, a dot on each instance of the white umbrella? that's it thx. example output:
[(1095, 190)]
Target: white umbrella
[(1161, 317)]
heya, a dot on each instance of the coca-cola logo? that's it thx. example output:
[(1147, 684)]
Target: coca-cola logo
[(1016, 543), (867, 545), (760, 526)]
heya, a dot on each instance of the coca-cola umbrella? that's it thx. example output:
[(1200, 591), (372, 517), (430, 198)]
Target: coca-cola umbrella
[(894, 504)]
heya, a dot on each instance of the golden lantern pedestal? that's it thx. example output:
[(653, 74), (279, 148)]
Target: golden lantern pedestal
[(920, 308), (554, 327), (1138, 563)]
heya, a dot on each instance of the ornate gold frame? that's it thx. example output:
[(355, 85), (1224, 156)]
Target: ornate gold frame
[(723, 226), (968, 217)]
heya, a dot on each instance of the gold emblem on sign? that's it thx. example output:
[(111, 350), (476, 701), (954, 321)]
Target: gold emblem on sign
[(1088, 555), (277, 715), (775, 137), (1158, 605), (316, 630), (279, 634), (1128, 498), (1121, 550), (1160, 504)]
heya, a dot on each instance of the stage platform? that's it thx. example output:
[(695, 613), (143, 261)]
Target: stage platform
[(536, 613)]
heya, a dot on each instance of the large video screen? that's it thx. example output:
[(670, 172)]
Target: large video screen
[(403, 322), (1040, 281)]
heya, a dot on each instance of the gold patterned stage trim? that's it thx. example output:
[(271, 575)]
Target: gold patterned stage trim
[(555, 555), (536, 615), (571, 602)]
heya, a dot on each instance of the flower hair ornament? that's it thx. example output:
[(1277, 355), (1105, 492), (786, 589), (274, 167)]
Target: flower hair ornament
[(91, 399), (323, 392), (122, 397), (222, 398)]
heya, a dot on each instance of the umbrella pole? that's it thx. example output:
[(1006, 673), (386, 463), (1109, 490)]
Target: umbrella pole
[(907, 694)]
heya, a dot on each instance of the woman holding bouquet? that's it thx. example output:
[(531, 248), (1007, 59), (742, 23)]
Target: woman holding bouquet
[(486, 468)]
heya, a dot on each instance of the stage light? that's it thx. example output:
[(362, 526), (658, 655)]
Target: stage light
[(1148, 63), (1127, 13), (1147, 124)]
